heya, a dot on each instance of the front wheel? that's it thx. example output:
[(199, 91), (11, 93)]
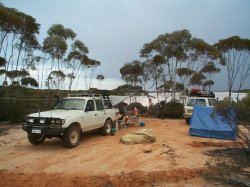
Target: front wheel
[(35, 139), (106, 129), (72, 136)]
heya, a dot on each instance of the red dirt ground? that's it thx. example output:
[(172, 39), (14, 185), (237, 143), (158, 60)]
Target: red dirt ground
[(105, 161)]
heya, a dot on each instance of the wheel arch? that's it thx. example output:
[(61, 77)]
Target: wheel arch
[(110, 119), (76, 124)]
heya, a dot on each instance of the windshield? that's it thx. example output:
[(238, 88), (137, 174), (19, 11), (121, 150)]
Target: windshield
[(192, 102), (70, 104)]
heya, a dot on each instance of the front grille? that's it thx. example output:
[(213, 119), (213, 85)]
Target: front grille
[(44, 122), (38, 125), (37, 121), (55, 126)]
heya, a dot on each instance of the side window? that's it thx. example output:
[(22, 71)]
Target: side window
[(201, 102), (90, 105), (99, 104), (107, 104), (210, 102), (190, 102), (214, 101)]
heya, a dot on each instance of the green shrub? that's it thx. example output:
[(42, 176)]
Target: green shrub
[(171, 110), (12, 110), (142, 109), (15, 110)]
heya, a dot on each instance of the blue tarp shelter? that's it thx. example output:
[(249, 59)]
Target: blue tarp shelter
[(203, 124)]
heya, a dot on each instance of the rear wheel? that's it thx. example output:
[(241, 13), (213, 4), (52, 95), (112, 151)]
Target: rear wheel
[(72, 136), (35, 139), (106, 129)]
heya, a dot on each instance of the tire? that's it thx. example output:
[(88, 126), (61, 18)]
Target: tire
[(35, 139), (187, 120), (72, 136), (106, 129)]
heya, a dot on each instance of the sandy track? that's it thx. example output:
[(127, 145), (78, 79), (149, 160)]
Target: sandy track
[(104, 160)]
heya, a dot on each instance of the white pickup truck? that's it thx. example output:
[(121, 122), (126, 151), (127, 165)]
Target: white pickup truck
[(69, 118), (192, 101)]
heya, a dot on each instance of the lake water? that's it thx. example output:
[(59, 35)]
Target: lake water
[(144, 100)]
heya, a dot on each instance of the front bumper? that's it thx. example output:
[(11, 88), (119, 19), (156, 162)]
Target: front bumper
[(43, 130)]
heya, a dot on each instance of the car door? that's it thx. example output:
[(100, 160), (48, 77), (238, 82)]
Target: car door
[(90, 120), (102, 113), (189, 107)]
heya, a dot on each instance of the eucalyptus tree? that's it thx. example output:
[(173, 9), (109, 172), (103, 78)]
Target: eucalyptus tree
[(28, 48), (62, 32), (2, 64), (208, 83), (100, 78), (209, 70), (170, 50), (197, 79), (179, 87), (200, 54), (17, 37), (12, 75), (56, 48), (125, 72), (156, 76), (75, 60), (56, 78), (81, 65), (2, 61), (131, 72), (89, 66), (29, 81), (146, 73), (55, 45), (185, 75), (234, 55), (16, 76)]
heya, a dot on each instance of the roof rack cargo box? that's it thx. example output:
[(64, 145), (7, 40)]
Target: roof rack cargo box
[(202, 94)]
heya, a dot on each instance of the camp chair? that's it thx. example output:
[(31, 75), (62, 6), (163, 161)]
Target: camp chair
[(122, 122)]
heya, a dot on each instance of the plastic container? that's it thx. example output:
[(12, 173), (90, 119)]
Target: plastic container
[(142, 124)]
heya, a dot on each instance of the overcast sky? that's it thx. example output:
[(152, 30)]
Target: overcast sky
[(115, 30)]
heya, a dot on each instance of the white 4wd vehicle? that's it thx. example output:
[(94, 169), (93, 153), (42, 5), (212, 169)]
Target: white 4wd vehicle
[(69, 118), (191, 101)]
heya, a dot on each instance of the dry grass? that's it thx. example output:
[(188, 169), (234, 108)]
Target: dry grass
[(229, 166)]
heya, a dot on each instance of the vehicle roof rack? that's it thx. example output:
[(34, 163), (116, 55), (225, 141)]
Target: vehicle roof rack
[(84, 94), (202, 94), (99, 93)]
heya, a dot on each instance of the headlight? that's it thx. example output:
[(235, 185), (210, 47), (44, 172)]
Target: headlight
[(57, 121), (63, 121), (30, 120), (42, 121)]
